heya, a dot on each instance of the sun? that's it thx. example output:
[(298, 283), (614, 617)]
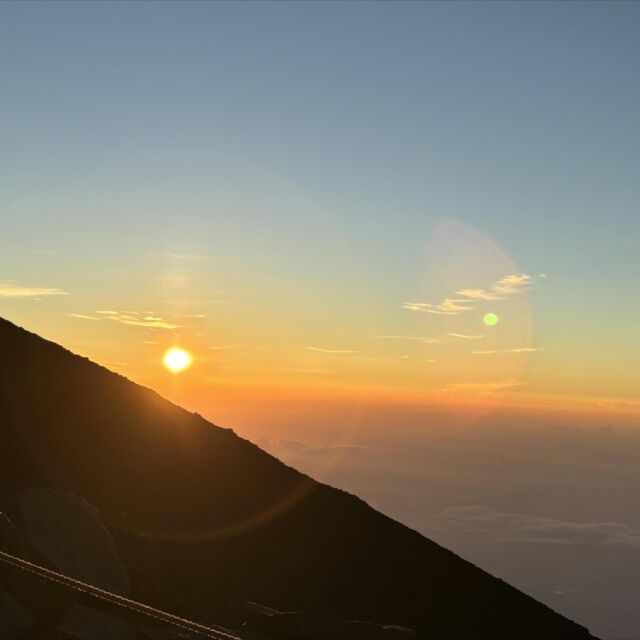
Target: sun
[(177, 360)]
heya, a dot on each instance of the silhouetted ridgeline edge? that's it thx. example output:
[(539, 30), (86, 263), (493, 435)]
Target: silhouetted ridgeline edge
[(205, 521)]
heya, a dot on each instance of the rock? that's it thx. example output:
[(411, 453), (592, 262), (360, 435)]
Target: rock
[(67, 531), (15, 620), (84, 623)]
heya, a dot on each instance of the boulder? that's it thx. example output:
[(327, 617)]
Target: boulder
[(67, 532)]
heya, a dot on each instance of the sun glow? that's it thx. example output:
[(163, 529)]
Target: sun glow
[(177, 360)]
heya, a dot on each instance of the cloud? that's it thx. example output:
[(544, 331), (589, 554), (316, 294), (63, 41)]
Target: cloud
[(137, 319), (479, 294), (483, 387), (12, 290), (512, 350), (483, 522), (510, 282), (81, 316), (332, 351), (416, 338), (439, 340), (508, 285), (448, 307)]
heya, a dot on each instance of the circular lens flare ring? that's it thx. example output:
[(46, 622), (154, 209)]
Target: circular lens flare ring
[(177, 360)]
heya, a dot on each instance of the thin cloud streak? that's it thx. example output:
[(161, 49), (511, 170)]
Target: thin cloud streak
[(133, 318), (512, 350), (415, 338), (448, 307), (12, 290), (333, 351)]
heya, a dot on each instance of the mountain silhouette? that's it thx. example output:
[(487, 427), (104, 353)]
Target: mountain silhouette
[(204, 519)]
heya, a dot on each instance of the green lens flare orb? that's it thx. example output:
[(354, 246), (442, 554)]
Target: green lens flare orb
[(490, 319)]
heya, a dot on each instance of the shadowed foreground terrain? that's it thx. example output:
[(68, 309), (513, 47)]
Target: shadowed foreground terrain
[(205, 521)]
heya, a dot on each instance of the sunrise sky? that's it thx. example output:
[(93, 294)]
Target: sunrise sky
[(325, 200), (398, 239)]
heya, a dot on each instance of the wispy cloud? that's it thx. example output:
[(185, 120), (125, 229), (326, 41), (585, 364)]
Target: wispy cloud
[(479, 294), (436, 340), (81, 316), (465, 299), (416, 339), (483, 387), (13, 290), (333, 351), (137, 319), (448, 307), (512, 350), (507, 286)]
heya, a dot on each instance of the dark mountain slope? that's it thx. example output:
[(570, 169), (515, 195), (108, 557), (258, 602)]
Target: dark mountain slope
[(202, 517)]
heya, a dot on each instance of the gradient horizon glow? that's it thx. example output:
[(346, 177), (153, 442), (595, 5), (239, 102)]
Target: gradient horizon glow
[(329, 200)]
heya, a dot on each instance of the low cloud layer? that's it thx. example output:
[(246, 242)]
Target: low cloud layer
[(483, 522)]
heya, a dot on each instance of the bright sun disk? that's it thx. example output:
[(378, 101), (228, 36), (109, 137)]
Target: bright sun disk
[(177, 360)]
